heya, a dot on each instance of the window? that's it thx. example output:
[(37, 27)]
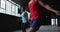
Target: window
[(2, 10), (16, 10), (13, 9), (3, 4), (13, 14), (8, 7), (18, 15)]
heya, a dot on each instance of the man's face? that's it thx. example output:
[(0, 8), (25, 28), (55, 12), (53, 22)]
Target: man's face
[(22, 9)]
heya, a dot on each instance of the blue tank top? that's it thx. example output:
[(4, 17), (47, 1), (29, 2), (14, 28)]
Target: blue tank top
[(24, 17)]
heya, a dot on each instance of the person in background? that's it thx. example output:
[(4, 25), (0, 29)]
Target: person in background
[(35, 13), (28, 23), (24, 17)]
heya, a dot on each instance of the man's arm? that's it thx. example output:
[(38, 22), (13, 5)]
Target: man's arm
[(48, 7)]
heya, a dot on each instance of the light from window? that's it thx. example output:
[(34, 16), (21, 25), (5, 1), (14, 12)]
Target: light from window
[(16, 10), (8, 7), (2, 11), (3, 4), (13, 13), (13, 8)]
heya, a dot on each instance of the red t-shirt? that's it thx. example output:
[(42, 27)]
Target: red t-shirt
[(34, 10)]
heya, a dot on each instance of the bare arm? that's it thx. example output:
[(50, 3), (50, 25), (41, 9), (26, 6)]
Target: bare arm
[(47, 7)]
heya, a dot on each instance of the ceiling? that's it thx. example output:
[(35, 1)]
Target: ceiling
[(21, 2)]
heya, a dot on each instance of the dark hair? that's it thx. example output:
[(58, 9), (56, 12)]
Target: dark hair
[(24, 8)]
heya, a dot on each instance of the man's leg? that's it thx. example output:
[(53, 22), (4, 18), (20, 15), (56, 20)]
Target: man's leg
[(23, 27), (34, 25), (32, 29)]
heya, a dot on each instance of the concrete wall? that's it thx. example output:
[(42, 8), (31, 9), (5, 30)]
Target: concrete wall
[(8, 23)]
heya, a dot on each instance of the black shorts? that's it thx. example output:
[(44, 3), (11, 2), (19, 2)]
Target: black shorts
[(35, 24)]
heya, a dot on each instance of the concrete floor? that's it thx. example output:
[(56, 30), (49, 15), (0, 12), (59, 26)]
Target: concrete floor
[(45, 28)]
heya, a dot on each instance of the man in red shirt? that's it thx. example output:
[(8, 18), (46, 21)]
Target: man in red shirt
[(35, 13)]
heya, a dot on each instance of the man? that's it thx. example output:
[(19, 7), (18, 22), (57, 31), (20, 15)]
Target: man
[(36, 13), (24, 16)]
